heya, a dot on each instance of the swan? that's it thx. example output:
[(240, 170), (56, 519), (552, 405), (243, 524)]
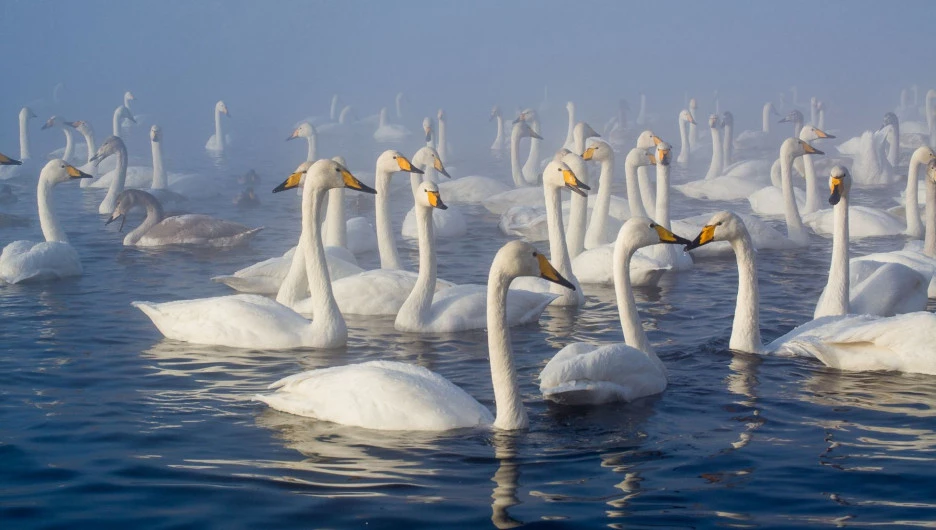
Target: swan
[(88, 132), (390, 395), (445, 151), (727, 121), (157, 230), (717, 164), (127, 121), (685, 118), (796, 118), (583, 373), (121, 113), (53, 258), (892, 125), (601, 225), (578, 207), (25, 165), (448, 223), (390, 132), (851, 342), (530, 168), (770, 199), (500, 202), (889, 290), (111, 146), (870, 166), (219, 140), (307, 130), (68, 152), (693, 129), (500, 142), (172, 187), (461, 307), (252, 321), (340, 127), (758, 140)]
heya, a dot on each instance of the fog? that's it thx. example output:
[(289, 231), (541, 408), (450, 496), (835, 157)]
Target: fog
[(275, 63)]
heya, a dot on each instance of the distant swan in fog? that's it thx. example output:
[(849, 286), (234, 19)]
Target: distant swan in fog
[(191, 229), (26, 165), (219, 140), (390, 132), (121, 114), (54, 258), (500, 142)]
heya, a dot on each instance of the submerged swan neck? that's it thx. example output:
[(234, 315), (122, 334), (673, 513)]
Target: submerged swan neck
[(745, 330), (160, 180), (596, 234), (509, 403), (386, 244), (51, 229), (634, 335)]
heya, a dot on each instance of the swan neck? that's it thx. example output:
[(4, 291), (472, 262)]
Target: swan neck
[(51, 229), (333, 113), (795, 230), (89, 140), (499, 139), (510, 413), (570, 134), (715, 168), (328, 324), (662, 214), (69, 144), (578, 210), (596, 234), (116, 121), (837, 288), (515, 170), (312, 153), (633, 189), (336, 229), (117, 184), (558, 249), (533, 158), (219, 130), (418, 304), (634, 335), (24, 136), (727, 144), (929, 245), (745, 330), (812, 194), (154, 215), (683, 141), (386, 244), (443, 144), (912, 209), (765, 119), (160, 180)]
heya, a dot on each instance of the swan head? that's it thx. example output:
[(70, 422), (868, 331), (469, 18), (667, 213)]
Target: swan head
[(525, 131), (440, 115), (495, 112), (598, 150), (771, 108), (51, 122), (222, 108), (889, 119), (810, 133), (570, 106), (393, 161), (685, 115), (57, 171), (922, 155), (110, 146), (647, 139), (663, 154), (640, 232), (794, 147), (557, 174), (693, 104), (931, 170), (323, 174), (156, 133), (7, 161), (525, 115), (727, 118), (340, 159), (427, 126), (428, 156), (723, 226), (794, 116), (127, 200), (427, 195), (584, 131), (26, 113), (713, 121), (519, 258), (128, 96), (123, 112), (304, 130), (81, 126), (839, 184)]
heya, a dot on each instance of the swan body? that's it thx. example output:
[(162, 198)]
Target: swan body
[(266, 277), (397, 396), (53, 258), (390, 132), (870, 167), (757, 140), (8, 171), (252, 321), (219, 140), (473, 189)]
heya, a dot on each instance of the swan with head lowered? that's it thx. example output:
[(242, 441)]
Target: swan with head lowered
[(904, 343), (389, 395), (53, 258), (461, 307), (219, 140), (25, 157), (584, 373), (192, 230), (253, 321)]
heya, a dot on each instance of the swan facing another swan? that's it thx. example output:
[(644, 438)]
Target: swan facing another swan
[(389, 395)]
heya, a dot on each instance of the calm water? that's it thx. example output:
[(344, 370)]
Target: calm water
[(104, 423)]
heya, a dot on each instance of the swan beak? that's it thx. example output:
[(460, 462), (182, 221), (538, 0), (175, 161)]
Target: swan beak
[(131, 118), (406, 165), (291, 182), (226, 112), (668, 237), (76, 173), (548, 272), (822, 134), (707, 235), (652, 158), (50, 122), (810, 150), (588, 154), (664, 156), (352, 182), (7, 161), (573, 183), (428, 134), (435, 200), (656, 139), (440, 168), (73, 124), (835, 185), (691, 119), (293, 136), (96, 159), (534, 134)]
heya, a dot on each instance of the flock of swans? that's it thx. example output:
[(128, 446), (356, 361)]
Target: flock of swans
[(871, 315)]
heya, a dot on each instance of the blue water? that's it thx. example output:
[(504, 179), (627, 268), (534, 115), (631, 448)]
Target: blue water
[(103, 423)]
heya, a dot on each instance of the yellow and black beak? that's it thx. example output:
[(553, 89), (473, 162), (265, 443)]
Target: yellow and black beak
[(664, 156), (114, 216), (835, 186), (428, 134), (810, 150), (437, 164), (350, 181), (668, 237), (652, 158), (707, 235), (76, 173), (291, 182), (406, 165), (7, 161), (822, 134), (49, 123), (548, 272), (589, 153), (534, 134), (656, 139), (435, 200), (573, 183), (293, 136)]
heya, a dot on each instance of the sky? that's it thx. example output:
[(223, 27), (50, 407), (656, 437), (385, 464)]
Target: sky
[(274, 63)]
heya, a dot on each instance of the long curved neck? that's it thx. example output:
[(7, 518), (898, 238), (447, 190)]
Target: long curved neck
[(821, 124), (386, 244), (715, 168), (336, 228), (328, 322), (693, 130), (596, 234), (69, 143), (154, 214), (929, 245), (893, 144), (312, 153), (499, 139), (634, 201), (647, 192), (912, 205), (578, 208), (634, 335), (558, 250), (116, 121), (835, 298), (515, 170), (510, 411), (812, 194), (532, 162), (51, 229), (727, 143), (795, 230), (117, 184), (419, 302), (683, 142), (89, 139), (219, 130), (333, 113), (24, 136), (662, 215), (160, 180), (765, 119), (745, 330)]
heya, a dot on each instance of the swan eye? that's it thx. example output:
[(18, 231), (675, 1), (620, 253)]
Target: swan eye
[(718, 223), (534, 253), (394, 158), (652, 225)]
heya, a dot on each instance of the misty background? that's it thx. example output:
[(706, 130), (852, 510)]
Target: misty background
[(275, 63)]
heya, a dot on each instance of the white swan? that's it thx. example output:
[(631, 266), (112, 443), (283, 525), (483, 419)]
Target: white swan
[(717, 164), (252, 321), (25, 166), (448, 223), (128, 120), (340, 127), (219, 140), (796, 118), (500, 141), (500, 202), (870, 166), (685, 118), (461, 307), (157, 230), (602, 225), (584, 373), (531, 167), (307, 130), (53, 258), (904, 343), (390, 132), (892, 126), (397, 396), (172, 187), (923, 155), (770, 199), (578, 204)]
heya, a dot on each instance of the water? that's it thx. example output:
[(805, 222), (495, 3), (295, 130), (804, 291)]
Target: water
[(103, 423)]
